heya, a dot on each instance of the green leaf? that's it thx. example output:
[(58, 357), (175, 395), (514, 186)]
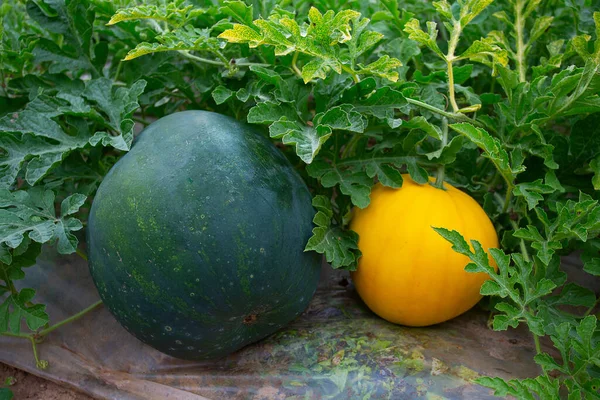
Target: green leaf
[(584, 140), (171, 12), (573, 295), (355, 184), (185, 39), (119, 105), (269, 112), (318, 68), (238, 11), (33, 138), (428, 39), (72, 204), (74, 21), (339, 246), (31, 214), (308, 140), (382, 104), (422, 124), (471, 9), (532, 192), (595, 166), (540, 25), (6, 394), (447, 154), (386, 67), (492, 148), (16, 308), (484, 51), (221, 94)]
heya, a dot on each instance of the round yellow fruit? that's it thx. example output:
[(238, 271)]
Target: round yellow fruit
[(408, 274)]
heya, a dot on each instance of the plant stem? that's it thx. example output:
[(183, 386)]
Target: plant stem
[(519, 25), (222, 63), (509, 188), (118, 70), (536, 341), (187, 54), (41, 364), (11, 287), (36, 336), (81, 254), (350, 146), (522, 244), (449, 115), (294, 66), (439, 180), (449, 59), (451, 94), (18, 335), (72, 318), (589, 310), (352, 73)]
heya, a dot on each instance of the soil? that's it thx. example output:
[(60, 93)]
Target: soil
[(30, 387)]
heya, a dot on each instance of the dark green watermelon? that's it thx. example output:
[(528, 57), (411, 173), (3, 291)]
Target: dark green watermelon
[(196, 237)]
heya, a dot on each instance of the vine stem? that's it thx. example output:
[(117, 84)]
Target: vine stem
[(519, 25), (441, 171), (451, 93), (81, 254), (352, 73), (72, 318), (294, 66), (508, 197), (350, 146), (35, 337), (222, 63), (449, 115), (449, 59), (589, 310), (536, 342)]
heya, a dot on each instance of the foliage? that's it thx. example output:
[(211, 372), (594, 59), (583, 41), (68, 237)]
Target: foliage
[(499, 98)]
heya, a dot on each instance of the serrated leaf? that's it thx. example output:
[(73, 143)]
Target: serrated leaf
[(72, 204), (573, 295), (471, 9), (74, 21), (318, 68), (33, 135), (269, 112), (595, 166), (221, 94), (119, 105), (16, 308), (532, 192), (447, 154), (239, 11), (540, 25), (183, 39), (170, 12), (423, 124), (385, 67), (339, 246), (31, 213), (492, 148), (381, 104), (307, 139), (355, 184), (428, 39), (484, 50)]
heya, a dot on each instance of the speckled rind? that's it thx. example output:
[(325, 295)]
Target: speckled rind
[(196, 237)]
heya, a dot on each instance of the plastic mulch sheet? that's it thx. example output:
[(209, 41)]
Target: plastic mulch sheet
[(337, 349)]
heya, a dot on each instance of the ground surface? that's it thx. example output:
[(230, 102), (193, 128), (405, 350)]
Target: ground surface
[(30, 387)]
